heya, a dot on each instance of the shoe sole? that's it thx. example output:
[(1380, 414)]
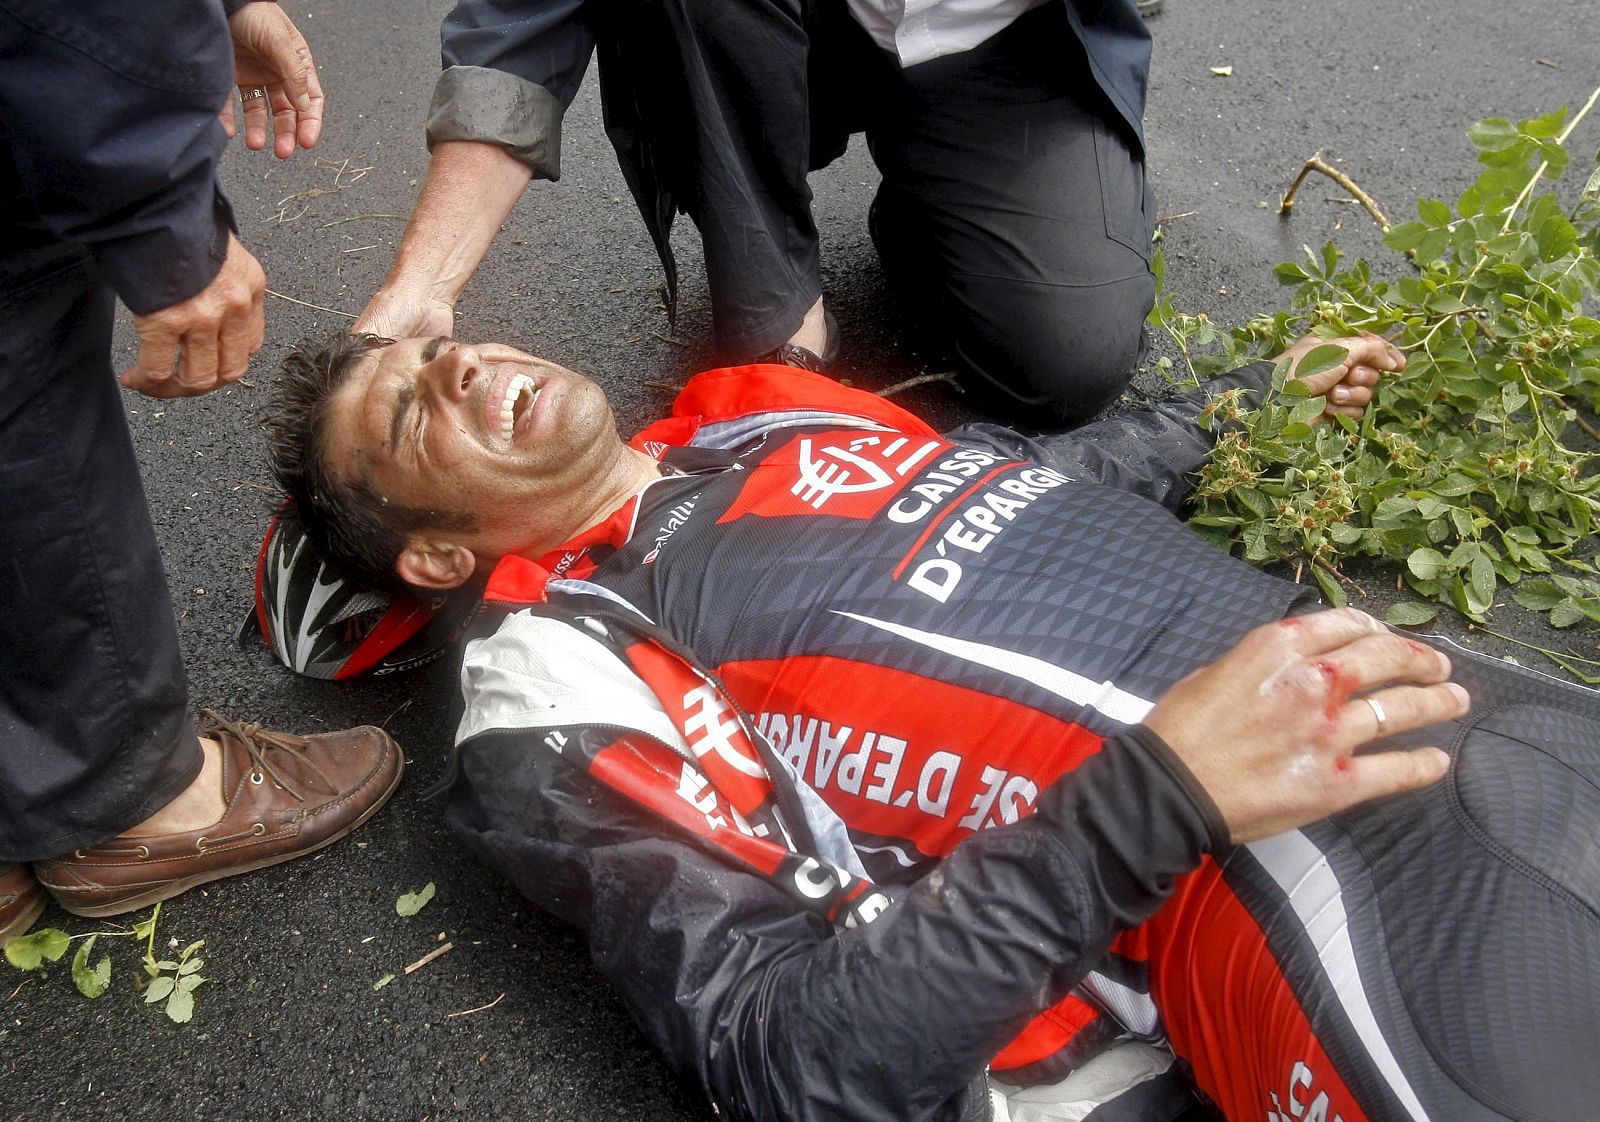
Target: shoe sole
[(20, 925), (169, 889)]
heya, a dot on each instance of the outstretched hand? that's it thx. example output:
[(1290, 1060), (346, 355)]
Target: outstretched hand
[(1348, 387), (270, 54), (1270, 730)]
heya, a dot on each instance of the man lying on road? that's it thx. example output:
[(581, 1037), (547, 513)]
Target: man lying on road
[(873, 760)]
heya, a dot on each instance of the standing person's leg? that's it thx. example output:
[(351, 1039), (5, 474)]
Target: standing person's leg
[(103, 781), (741, 66), (1016, 218), (1434, 955), (94, 724)]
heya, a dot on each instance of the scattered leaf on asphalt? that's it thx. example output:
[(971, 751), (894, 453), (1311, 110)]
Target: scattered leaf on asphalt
[(92, 981), (413, 902), (29, 952), (1222, 71), (383, 981)]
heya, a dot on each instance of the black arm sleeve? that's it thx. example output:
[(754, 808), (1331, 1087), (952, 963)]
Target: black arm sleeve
[(777, 1017), (109, 112), (1152, 452)]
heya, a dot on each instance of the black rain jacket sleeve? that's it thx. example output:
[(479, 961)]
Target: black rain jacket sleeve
[(1153, 452), (776, 1016), (109, 138)]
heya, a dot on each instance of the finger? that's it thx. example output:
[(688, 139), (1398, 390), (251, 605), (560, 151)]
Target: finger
[(225, 115), (158, 350), (1394, 356), (1354, 395), (285, 120), (1390, 773), (254, 104), (1375, 660), (233, 345), (1318, 632), (1398, 709), (258, 319), (310, 126), (197, 368)]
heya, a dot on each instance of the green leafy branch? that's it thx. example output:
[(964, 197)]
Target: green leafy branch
[(1473, 470), (169, 981)]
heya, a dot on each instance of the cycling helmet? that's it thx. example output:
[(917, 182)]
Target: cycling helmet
[(321, 625)]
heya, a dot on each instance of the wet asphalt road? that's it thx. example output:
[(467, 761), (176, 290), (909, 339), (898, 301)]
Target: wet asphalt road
[(290, 1026)]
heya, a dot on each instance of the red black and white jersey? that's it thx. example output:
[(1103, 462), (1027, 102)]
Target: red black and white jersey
[(830, 741)]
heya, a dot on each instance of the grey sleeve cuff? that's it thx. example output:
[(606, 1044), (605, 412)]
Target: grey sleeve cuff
[(494, 107)]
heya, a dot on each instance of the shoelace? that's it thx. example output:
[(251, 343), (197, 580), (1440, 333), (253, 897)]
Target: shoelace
[(260, 742)]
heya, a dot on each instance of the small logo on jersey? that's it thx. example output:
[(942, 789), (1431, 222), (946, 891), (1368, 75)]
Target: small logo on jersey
[(676, 517), (842, 474)]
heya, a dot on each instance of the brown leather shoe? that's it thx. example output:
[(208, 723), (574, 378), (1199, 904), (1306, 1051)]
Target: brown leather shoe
[(21, 901), (286, 796)]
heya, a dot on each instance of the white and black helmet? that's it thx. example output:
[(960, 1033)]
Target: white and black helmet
[(321, 625)]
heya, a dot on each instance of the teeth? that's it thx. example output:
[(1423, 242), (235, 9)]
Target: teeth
[(520, 384)]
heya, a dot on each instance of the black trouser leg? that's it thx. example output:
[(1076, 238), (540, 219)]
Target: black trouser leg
[(1015, 216), (94, 733), (744, 74)]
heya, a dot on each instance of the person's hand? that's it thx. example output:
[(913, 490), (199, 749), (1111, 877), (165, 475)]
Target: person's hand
[(1271, 729), (399, 314), (1348, 387), (205, 342), (270, 54)]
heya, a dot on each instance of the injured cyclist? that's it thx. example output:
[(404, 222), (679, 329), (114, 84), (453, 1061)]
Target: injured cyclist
[(889, 770)]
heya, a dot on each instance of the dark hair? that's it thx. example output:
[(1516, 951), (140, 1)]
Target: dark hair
[(357, 531)]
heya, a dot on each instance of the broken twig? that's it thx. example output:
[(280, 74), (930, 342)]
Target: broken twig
[(479, 1009), (437, 952), (1317, 163)]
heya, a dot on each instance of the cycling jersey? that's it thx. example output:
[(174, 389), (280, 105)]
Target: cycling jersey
[(829, 739)]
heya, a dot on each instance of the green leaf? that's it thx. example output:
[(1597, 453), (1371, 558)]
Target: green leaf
[(383, 981), (1289, 273), (181, 1008), (189, 984), (29, 952), (1434, 212), (91, 981), (1409, 613), (1330, 587), (1493, 135), (1426, 564), (1320, 359), (1566, 613), (1406, 236), (159, 989), (190, 965), (1549, 125), (1483, 579), (413, 902)]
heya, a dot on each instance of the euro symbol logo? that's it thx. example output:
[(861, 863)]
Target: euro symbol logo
[(836, 470)]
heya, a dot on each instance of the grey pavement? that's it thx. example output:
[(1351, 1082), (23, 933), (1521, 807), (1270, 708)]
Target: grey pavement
[(290, 1025)]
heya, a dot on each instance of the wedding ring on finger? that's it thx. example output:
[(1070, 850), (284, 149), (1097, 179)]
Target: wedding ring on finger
[(250, 93), (1377, 711)]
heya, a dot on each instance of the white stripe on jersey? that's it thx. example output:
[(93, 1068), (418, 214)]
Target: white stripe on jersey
[(1303, 872), (1103, 697)]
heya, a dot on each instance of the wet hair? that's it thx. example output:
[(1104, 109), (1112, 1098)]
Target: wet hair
[(356, 529)]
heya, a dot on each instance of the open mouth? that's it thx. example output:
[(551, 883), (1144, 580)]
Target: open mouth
[(521, 393)]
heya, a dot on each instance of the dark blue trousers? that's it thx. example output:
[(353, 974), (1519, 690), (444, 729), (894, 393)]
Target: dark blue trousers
[(94, 725)]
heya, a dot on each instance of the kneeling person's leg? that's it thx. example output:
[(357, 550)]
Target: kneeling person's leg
[(1015, 215)]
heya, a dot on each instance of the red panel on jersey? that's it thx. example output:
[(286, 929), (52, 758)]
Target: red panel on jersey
[(929, 774)]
